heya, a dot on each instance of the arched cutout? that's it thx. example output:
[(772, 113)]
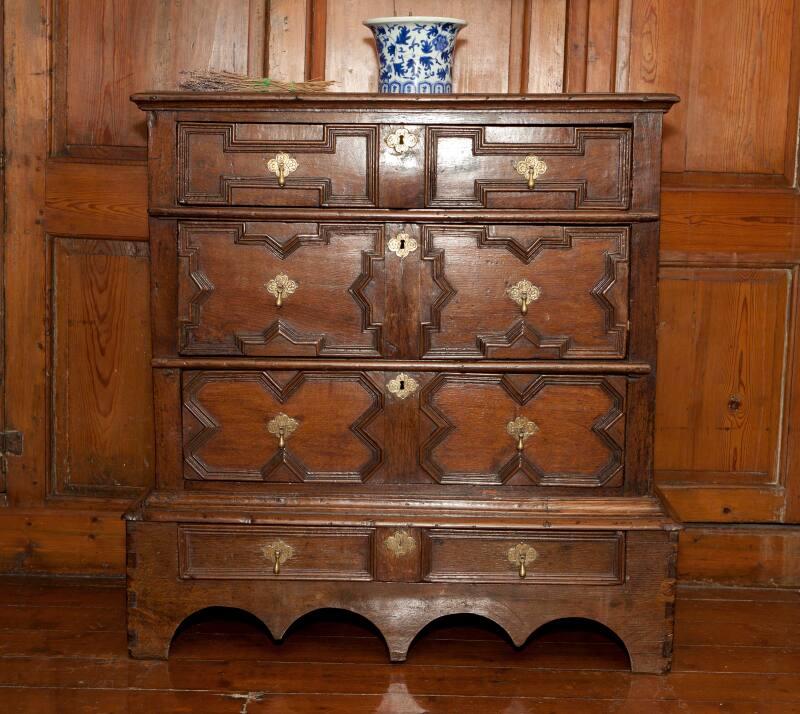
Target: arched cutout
[(214, 630), (476, 634), (577, 642), (327, 623)]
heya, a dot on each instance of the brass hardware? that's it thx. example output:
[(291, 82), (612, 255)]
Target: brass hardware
[(402, 385), (402, 245), (278, 552), (282, 165), (531, 167), (524, 293), (280, 286), (521, 428), (520, 555), (282, 426), (400, 543), (401, 140)]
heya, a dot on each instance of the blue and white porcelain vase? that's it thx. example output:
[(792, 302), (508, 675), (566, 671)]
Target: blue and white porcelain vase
[(415, 53)]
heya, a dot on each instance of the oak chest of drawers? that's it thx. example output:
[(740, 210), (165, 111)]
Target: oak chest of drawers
[(404, 354)]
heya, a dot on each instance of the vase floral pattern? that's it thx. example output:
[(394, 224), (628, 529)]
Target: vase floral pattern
[(416, 54)]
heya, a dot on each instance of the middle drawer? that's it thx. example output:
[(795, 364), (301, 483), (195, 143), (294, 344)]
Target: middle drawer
[(518, 291)]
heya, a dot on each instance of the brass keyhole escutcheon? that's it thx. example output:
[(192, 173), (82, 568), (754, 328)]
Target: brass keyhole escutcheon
[(531, 167), (521, 429), (402, 386), (282, 165), (400, 543), (282, 426), (278, 552), (401, 140), (402, 245), (524, 293), (520, 555), (280, 286)]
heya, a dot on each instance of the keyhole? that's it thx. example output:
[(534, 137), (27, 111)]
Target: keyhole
[(401, 139), (402, 243), (402, 384)]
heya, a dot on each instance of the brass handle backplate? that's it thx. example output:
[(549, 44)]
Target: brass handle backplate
[(524, 293), (520, 555), (400, 543), (282, 165), (521, 429), (401, 140), (282, 426), (531, 167), (278, 552), (280, 286), (402, 245)]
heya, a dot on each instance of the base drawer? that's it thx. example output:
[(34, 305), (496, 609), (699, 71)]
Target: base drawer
[(572, 557), (292, 553)]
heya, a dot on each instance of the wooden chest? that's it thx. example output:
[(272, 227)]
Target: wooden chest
[(404, 354)]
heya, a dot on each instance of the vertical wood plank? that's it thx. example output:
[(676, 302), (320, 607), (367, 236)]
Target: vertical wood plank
[(257, 38), (547, 37), (26, 84), (577, 40), (102, 443), (722, 352), (601, 46), (317, 39), (286, 50)]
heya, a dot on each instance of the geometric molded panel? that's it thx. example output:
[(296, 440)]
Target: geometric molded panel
[(225, 306), (225, 164), (472, 167), (578, 442), (226, 434), (581, 306)]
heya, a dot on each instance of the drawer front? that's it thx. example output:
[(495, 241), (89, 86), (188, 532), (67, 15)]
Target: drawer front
[(578, 557), (281, 427), (280, 289), (564, 167), (543, 430), (272, 552), (260, 164), (524, 291)]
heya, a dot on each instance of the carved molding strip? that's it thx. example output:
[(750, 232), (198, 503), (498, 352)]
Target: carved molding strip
[(562, 345), (231, 143), (521, 461), (238, 343), (197, 468), (576, 147)]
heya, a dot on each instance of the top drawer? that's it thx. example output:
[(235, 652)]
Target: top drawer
[(368, 165), (529, 167), (260, 164)]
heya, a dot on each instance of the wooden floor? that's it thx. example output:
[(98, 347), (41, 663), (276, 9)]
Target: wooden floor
[(62, 649)]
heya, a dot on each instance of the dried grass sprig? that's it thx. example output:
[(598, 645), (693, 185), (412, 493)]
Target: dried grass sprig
[(212, 81)]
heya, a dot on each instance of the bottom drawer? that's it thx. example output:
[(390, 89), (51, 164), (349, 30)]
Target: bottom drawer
[(527, 556), (294, 553)]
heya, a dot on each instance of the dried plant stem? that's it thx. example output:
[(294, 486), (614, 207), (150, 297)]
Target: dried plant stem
[(212, 81)]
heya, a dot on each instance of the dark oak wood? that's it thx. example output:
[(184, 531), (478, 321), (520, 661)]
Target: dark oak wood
[(351, 357)]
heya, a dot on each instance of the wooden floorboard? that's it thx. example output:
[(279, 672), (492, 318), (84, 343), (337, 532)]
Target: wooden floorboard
[(63, 649)]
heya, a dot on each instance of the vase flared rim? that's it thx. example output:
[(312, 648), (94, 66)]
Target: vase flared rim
[(414, 19)]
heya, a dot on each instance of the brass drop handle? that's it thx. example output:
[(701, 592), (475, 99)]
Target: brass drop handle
[(280, 286), (282, 426), (524, 293), (521, 429), (278, 552), (531, 167), (520, 555), (282, 165)]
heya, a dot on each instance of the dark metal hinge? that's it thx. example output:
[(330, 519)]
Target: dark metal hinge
[(11, 442)]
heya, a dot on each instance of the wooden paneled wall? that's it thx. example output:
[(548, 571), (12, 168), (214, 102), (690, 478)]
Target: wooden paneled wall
[(77, 381)]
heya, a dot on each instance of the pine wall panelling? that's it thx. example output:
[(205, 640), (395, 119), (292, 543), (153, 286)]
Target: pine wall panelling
[(76, 232)]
